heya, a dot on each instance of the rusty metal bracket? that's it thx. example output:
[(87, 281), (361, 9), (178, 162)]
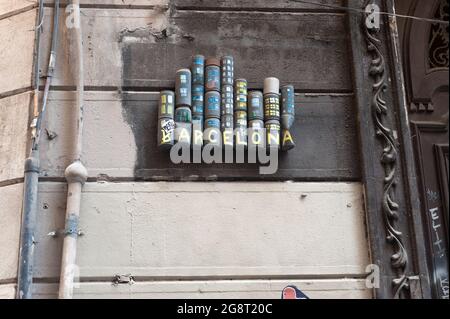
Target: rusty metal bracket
[(123, 279)]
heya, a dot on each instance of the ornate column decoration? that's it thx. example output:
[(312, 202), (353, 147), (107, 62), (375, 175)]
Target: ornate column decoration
[(389, 158)]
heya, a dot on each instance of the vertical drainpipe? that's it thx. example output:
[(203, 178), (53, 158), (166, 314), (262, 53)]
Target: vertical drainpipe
[(27, 242), (76, 174), (32, 165)]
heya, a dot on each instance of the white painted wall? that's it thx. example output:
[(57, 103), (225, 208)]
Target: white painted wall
[(17, 19), (211, 231)]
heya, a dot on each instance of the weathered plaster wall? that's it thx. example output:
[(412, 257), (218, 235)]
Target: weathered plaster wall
[(17, 19), (9, 8)]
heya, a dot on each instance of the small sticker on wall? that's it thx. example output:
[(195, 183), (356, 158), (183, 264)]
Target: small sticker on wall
[(292, 292), (168, 126)]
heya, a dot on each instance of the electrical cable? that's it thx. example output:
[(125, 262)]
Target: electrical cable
[(50, 74), (351, 9)]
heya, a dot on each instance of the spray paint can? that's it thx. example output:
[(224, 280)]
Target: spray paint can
[(256, 133), (240, 86), (212, 101), (212, 131), (256, 124), (183, 114), (226, 122), (227, 70), (198, 70), (197, 99), (240, 128), (287, 117), (183, 133), (166, 133), (197, 130), (183, 87), (240, 103), (287, 106), (255, 106), (212, 104), (240, 93), (166, 104), (212, 75), (183, 125), (240, 119), (272, 133), (212, 123), (271, 99), (240, 112), (271, 106), (166, 124), (241, 136), (227, 127), (227, 105), (271, 85), (198, 121), (287, 141)]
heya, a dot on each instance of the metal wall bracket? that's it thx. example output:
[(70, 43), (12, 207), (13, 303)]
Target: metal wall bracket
[(123, 279)]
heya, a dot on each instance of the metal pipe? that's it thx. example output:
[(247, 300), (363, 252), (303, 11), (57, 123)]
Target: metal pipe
[(37, 57), (32, 165), (76, 174), (25, 275)]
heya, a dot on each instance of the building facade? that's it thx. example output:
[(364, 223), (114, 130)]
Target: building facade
[(350, 211)]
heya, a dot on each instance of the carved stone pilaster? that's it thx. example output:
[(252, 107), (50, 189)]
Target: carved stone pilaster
[(379, 109), (391, 196)]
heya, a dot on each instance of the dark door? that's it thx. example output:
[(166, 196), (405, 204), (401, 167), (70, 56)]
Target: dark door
[(426, 61)]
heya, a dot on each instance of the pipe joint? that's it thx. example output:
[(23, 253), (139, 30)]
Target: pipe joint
[(76, 173), (32, 163)]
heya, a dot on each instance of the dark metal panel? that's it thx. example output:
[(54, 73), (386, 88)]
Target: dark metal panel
[(285, 45), (425, 61), (325, 131), (431, 146)]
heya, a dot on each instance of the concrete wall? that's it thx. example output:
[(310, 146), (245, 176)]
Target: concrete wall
[(177, 239), (17, 20), (209, 235)]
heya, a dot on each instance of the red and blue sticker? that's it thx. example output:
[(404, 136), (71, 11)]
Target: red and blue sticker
[(292, 292)]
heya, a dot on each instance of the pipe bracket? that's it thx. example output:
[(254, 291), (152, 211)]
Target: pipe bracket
[(123, 279), (72, 226), (76, 173), (32, 164)]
